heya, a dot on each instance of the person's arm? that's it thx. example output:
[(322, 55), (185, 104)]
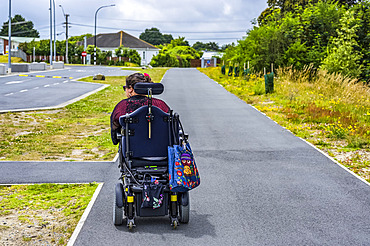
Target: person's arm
[(114, 121)]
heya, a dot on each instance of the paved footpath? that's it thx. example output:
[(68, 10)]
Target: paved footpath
[(260, 185)]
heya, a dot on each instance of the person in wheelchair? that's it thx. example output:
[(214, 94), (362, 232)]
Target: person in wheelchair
[(132, 102), (145, 128)]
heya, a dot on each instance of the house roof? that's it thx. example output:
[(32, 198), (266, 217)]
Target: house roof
[(210, 54), (114, 40), (20, 39)]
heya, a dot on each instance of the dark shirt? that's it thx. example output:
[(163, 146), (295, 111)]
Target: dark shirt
[(129, 105)]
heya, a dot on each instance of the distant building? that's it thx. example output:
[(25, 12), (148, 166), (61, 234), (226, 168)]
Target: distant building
[(209, 58), (4, 43), (111, 41)]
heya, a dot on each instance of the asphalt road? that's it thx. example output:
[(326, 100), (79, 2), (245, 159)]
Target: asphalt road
[(18, 92), (260, 185)]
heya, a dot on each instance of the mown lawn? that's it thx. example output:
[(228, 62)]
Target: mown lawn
[(80, 131), (330, 111), (42, 214)]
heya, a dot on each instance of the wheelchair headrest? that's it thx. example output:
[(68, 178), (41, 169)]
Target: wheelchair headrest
[(143, 88)]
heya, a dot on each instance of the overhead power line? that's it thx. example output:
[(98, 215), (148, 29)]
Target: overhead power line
[(171, 21), (140, 30), (212, 38), (17, 23)]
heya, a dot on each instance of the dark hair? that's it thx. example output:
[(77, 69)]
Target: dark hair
[(132, 79)]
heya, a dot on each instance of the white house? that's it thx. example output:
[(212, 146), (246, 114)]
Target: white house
[(111, 41), (4, 43)]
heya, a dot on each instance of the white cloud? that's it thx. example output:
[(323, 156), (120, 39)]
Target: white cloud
[(227, 9), (178, 18)]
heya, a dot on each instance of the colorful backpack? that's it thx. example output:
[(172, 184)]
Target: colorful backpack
[(184, 175)]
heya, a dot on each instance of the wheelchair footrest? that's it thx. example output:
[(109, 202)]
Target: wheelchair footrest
[(151, 170)]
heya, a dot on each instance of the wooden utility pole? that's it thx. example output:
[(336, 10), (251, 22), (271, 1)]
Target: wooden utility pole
[(66, 23)]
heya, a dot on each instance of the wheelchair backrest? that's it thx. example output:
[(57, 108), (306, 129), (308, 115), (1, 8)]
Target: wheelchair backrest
[(140, 142)]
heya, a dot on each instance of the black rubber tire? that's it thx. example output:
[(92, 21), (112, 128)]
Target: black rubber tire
[(117, 212), (184, 212)]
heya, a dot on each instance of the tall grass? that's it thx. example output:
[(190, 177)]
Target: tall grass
[(329, 110)]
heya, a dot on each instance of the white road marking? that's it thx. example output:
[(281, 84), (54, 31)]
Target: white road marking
[(56, 84), (23, 90), (9, 94), (36, 88), (65, 81), (46, 85), (14, 82)]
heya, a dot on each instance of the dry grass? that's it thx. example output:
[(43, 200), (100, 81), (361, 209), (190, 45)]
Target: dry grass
[(80, 131), (4, 59), (43, 214), (328, 110)]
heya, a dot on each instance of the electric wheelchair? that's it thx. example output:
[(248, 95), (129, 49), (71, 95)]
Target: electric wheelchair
[(145, 136)]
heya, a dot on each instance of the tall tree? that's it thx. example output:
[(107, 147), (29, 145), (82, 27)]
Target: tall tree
[(289, 5), (167, 38), (210, 46), (81, 37), (180, 41), (344, 55), (155, 37), (20, 28)]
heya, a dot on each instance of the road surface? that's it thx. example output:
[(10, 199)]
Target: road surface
[(51, 88)]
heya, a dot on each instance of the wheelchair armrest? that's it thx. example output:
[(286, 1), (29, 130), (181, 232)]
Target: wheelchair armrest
[(183, 137)]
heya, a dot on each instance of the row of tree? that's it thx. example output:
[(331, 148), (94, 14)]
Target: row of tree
[(327, 35), (173, 53), (155, 37), (42, 48)]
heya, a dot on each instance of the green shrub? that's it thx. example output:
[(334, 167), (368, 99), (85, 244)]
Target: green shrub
[(259, 87), (133, 55)]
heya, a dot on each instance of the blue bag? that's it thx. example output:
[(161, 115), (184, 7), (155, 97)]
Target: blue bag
[(184, 175)]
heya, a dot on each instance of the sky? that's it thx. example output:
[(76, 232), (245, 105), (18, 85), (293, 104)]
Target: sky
[(220, 21)]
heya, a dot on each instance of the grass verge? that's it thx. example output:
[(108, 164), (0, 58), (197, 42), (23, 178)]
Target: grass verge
[(330, 111), (79, 131), (42, 214), (4, 59)]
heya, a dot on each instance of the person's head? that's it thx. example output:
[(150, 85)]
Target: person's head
[(133, 79)]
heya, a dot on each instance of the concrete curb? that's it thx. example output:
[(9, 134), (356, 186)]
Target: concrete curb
[(84, 216), (60, 105)]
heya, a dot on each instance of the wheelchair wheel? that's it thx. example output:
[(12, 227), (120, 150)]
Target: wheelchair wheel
[(130, 225), (184, 212), (118, 205)]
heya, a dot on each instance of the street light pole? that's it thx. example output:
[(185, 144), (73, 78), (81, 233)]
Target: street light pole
[(51, 38), (10, 38), (96, 13), (55, 32)]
